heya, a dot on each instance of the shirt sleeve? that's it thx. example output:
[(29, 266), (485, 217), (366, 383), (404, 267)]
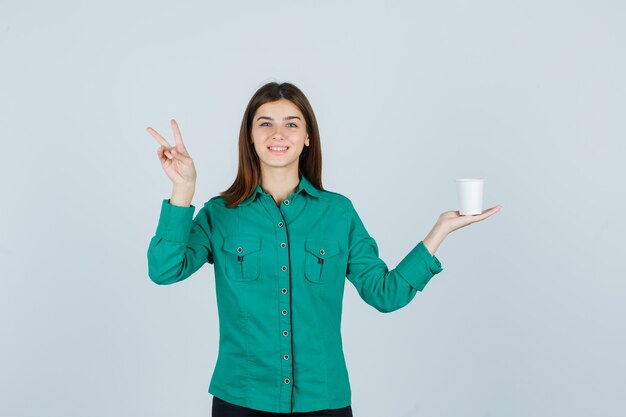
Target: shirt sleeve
[(385, 290), (181, 245)]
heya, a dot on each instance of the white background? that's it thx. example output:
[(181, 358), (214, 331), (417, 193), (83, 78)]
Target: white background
[(527, 317)]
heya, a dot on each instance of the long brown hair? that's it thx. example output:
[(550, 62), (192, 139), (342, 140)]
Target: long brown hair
[(249, 171)]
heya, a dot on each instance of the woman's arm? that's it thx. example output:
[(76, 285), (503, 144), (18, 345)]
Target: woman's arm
[(434, 238), (389, 290), (181, 245), (182, 195), (385, 290)]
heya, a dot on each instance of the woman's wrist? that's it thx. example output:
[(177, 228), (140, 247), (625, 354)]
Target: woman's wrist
[(434, 239), (182, 195)]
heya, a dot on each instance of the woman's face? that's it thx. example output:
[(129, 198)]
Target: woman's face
[(279, 124)]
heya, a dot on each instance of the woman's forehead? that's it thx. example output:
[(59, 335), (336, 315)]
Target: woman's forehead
[(282, 107)]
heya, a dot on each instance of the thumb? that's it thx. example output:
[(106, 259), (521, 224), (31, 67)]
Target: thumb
[(180, 156)]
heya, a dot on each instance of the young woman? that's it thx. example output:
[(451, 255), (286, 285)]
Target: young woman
[(281, 247)]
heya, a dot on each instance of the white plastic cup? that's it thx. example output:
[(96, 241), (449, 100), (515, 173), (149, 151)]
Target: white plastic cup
[(470, 194)]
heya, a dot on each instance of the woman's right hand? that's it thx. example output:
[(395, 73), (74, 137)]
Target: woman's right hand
[(175, 160)]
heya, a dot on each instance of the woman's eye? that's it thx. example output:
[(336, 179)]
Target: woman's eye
[(267, 123)]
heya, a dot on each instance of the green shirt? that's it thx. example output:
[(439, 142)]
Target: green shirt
[(279, 280)]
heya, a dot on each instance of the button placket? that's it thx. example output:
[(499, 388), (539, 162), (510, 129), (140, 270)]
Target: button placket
[(285, 302), (284, 268)]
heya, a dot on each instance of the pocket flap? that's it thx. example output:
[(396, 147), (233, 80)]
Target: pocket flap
[(322, 248), (241, 245)]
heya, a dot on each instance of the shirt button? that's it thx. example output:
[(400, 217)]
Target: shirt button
[(282, 245), (286, 202), (286, 357), (284, 312), (284, 290), (287, 380), (284, 268), (239, 249), (280, 224), (285, 332), (322, 251)]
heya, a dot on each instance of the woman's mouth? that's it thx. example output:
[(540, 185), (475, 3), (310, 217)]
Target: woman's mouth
[(278, 150)]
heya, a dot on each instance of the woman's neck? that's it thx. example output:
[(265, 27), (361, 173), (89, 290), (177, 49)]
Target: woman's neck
[(280, 184)]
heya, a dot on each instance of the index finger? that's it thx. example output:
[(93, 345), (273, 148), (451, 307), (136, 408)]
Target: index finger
[(158, 137)]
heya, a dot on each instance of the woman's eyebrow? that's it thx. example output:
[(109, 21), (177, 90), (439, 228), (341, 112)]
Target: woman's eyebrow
[(284, 118)]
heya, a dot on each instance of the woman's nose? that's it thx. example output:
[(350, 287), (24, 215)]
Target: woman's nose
[(278, 133)]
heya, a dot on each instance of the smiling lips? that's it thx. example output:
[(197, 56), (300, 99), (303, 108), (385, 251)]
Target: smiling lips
[(278, 150)]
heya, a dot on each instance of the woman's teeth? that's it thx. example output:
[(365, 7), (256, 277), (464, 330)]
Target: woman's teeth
[(277, 149)]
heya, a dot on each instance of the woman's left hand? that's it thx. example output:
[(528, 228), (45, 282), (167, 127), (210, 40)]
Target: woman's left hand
[(450, 221)]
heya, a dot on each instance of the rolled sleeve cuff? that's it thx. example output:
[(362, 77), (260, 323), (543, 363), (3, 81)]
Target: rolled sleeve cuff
[(419, 266), (175, 222)]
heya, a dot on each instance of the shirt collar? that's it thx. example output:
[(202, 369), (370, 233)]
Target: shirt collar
[(304, 184)]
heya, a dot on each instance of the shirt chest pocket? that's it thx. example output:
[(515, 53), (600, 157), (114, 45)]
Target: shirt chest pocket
[(242, 257), (321, 260)]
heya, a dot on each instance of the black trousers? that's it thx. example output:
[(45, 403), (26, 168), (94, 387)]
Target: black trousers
[(223, 408)]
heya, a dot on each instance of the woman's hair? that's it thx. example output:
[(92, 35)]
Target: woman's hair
[(249, 171)]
